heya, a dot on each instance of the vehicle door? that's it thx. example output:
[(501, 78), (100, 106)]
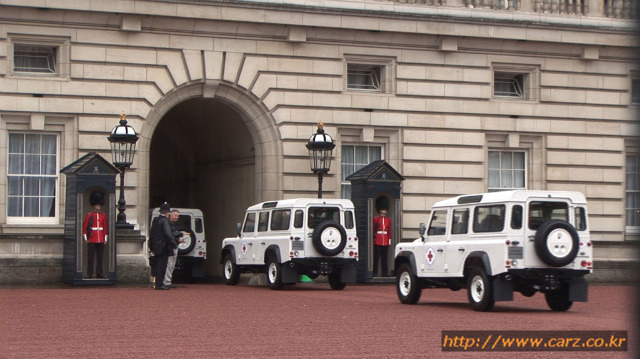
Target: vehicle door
[(259, 243), (248, 234), (455, 248), (433, 259), (489, 235), (539, 211), (279, 233)]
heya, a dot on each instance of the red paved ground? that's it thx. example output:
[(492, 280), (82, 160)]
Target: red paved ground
[(305, 321)]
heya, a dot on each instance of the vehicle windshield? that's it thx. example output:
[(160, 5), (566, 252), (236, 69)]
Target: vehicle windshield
[(544, 211), (319, 214)]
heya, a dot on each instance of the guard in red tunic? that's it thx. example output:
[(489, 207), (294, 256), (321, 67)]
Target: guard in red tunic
[(381, 241), (95, 232)]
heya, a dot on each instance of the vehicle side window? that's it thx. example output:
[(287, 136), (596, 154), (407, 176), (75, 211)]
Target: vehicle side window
[(280, 219), (298, 219), (263, 221), (516, 217), (489, 219), (199, 226), (545, 211), (580, 219), (348, 220), (249, 223), (460, 221), (438, 225)]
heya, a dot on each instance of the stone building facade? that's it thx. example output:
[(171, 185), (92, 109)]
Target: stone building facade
[(458, 96)]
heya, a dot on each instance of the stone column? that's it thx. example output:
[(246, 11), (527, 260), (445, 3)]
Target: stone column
[(596, 7)]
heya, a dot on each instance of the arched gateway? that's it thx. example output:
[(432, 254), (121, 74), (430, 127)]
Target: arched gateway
[(213, 147)]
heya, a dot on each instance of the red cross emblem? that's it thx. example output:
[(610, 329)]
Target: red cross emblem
[(430, 256), (244, 248)]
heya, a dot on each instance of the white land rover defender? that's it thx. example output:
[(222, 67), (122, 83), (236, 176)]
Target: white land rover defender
[(498, 243), (292, 237), (192, 252)]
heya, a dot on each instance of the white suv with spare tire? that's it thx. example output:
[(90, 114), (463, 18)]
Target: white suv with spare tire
[(497, 243), (293, 237)]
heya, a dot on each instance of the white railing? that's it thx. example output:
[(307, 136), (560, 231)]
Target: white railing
[(574, 7), (425, 2), (625, 9), (621, 9), (493, 4)]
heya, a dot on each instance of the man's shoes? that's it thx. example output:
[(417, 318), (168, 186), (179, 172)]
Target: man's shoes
[(171, 286), (162, 288), (87, 277), (102, 276)]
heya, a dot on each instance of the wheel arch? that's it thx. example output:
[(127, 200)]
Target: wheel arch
[(477, 259), (406, 257), (228, 249), (272, 249)]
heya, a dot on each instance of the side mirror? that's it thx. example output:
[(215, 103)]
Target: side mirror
[(423, 230), (238, 228)]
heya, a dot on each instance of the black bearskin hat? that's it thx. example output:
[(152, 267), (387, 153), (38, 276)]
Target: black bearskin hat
[(96, 197)]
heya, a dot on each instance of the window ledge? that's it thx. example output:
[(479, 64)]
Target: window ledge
[(31, 228), (511, 99)]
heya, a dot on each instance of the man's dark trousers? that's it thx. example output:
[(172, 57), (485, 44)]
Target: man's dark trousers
[(160, 268)]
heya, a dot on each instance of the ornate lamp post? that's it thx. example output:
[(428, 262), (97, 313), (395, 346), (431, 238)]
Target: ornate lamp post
[(123, 140), (320, 148)]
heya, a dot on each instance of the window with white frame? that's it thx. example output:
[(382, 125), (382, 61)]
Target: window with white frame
[(35, 59), (371, 74), (507, 170), (45, 57), (516, 82), (509, 85), (633, 193), (32, 177), (364, 77), (355, 157)]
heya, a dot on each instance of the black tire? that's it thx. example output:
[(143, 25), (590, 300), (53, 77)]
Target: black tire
[(329, 238), (529, 292), (480, 290), (230, 269), (334, 281), (556, 243), (407, 285), (274, 273), (188, 245), (558, 300)]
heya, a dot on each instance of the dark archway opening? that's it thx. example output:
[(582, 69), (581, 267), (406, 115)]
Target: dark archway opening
[(202, 156)]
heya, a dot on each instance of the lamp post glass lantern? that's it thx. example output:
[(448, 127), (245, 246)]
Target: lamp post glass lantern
[(123, 140), (320, 148)]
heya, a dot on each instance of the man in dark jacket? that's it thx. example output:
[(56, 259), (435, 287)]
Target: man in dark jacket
[(161, 237), (176, 239)]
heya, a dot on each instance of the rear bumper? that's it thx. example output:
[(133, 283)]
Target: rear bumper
[(320, 266)]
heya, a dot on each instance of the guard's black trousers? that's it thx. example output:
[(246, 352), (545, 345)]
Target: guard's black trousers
[(95, 250), (380, 251)]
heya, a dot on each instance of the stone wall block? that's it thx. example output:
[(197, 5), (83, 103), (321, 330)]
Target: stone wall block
[(174, 62)]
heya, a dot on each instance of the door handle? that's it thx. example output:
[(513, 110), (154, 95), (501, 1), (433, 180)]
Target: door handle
[(250, 244), (440, 250), (263, 243), (461, 249)]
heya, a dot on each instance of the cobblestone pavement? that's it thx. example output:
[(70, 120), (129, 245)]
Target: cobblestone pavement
[(304, 321)]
